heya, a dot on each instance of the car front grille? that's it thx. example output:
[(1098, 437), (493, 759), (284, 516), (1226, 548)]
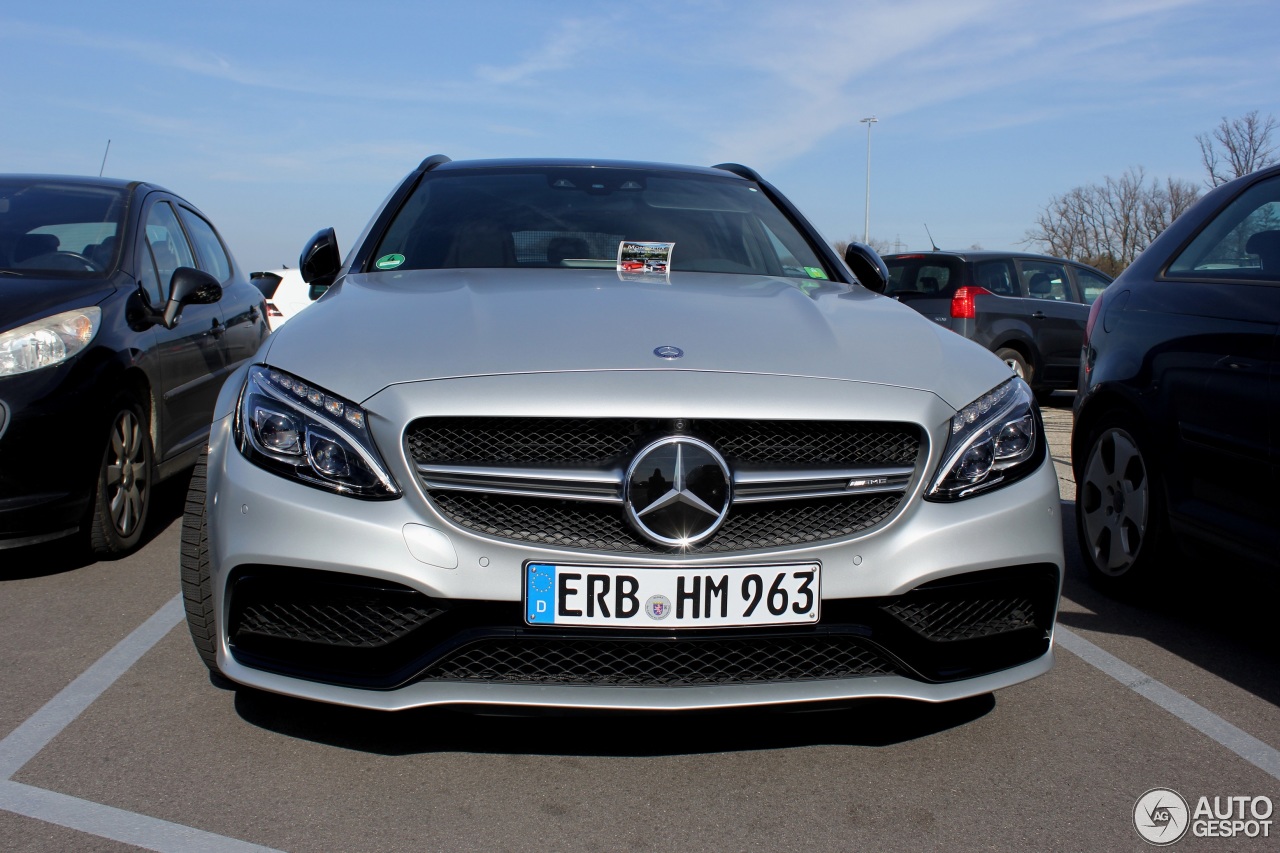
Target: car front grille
[(461, 461)]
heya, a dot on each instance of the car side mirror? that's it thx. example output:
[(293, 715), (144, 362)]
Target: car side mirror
[(320, 262), (189, 286), (867, 266)]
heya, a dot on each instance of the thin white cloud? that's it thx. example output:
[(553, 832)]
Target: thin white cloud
[(573, 39)]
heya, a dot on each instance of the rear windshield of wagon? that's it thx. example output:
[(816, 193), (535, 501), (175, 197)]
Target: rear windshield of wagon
[(579, 217), (923, 275)]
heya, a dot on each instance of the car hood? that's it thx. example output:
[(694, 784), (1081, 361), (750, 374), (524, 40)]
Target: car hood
[(379, 329), (24, 299)]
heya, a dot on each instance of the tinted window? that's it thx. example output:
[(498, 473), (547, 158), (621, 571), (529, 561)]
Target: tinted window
[(574, 217), (1045, 280), (167, 242), (922, 274), (1091, 283), (49, 228), (995, 276), (1243, 241), (213, 258)]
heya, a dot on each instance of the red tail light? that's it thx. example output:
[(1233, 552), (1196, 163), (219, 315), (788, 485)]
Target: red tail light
[(963, 303), (1094, 310)]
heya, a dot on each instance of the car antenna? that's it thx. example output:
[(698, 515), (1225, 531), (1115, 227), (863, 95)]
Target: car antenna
[(931, 243), (104, 158)]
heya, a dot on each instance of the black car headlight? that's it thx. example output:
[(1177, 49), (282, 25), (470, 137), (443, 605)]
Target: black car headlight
[(304, 433), (47, 342), (994, 441)]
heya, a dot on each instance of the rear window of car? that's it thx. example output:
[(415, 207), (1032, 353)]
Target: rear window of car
[(527, 217), (922, 274)]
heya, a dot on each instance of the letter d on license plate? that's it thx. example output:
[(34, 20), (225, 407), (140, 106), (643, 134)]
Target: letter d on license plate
[(648, 597)]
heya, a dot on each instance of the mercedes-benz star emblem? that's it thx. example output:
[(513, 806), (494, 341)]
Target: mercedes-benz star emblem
[(678, 491), (668, 352)]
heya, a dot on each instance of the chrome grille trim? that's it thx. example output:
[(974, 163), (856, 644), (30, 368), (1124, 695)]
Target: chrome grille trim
[(576, 484), (606, 486)]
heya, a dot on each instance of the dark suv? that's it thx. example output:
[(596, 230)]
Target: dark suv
[(1028, 309)]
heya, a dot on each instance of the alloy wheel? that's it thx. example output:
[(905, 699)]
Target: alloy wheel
[(1115, 502), (125, 474)]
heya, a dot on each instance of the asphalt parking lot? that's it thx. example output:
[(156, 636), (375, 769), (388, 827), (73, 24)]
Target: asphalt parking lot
[(113, 737)]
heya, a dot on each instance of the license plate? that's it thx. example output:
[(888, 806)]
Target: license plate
[(647, 597)]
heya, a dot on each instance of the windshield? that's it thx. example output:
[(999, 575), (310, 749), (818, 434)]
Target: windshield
[(48, 228), (582, 217)]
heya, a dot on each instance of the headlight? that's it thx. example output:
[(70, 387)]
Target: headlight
[(309, 435), (47, 342), (995, 441)]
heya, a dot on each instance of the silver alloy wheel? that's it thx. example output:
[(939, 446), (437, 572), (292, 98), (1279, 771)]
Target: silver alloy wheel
[(125, 474), (1115, 502)]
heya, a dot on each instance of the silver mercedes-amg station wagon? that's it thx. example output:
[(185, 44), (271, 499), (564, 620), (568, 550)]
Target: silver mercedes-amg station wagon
[(606, 435)]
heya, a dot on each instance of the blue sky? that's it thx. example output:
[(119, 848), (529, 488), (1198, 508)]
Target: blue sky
[(280, 118)]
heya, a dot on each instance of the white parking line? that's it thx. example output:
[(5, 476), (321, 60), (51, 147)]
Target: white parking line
[(1243, 744), (24, 742), (117, 824)]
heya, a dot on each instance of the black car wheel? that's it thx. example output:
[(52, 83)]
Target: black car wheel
[(123, 495), (197, 585), (1119, 507)]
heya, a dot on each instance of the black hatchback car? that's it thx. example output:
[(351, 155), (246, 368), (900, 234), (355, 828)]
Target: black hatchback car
[(1176, 434), (1030, 310), (121, 312)]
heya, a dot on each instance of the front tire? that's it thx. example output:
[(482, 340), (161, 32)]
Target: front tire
[(1120, 508), (197, 582), (122, 498)]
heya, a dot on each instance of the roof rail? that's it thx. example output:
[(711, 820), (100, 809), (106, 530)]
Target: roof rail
[(741, 171), (431, 162)]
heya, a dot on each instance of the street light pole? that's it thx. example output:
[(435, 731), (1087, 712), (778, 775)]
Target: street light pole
[(866, 221)]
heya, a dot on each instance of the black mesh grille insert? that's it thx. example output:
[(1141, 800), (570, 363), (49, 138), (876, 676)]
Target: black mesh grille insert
[(605, 441), (333, 610), (600, 527), (637, 663), (965, 619), (353, 624)]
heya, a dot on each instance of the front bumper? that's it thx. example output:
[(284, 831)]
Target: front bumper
[(51, 438)]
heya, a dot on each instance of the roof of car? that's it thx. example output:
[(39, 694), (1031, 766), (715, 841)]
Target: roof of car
[(540, 162), (980, 255), (76, 180)]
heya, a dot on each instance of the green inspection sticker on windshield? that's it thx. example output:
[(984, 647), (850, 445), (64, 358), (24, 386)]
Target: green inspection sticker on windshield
[(816, 272), (389, 262)]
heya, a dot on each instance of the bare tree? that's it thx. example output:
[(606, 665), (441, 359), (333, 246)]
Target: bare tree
[(1237, 147), (1107, 225), (881, 247)]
